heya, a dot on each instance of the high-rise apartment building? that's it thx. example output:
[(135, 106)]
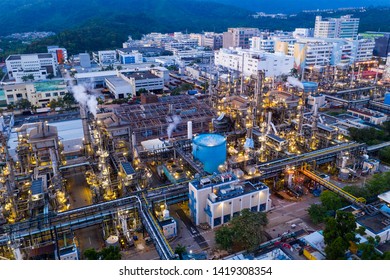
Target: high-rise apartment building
[(343, 27)]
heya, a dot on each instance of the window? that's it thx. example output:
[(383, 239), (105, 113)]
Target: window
[(262, 207), (55, 94), (236, 214), (226, 218), (217, 221), (48, 94), (254, 208)]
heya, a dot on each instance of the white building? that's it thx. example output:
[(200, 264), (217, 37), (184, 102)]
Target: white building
[(130, 57), (303, 33), (60, 54), (363, 49), (217, 201), (119, 87), (39, 93), (373, 117), (106, 57), (38, 65), (250, 61), (85, 60), (239, 37), (143, 80), (343, 27)]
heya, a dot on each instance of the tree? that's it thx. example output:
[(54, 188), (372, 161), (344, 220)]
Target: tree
[(69, 100), (330, 201), (24, 78), (31, 77), (249, 228), (339, 232), (224, 237), (23, 104), (110, 253), (317, 213), (336, 249), (384, 155), (368, 251), (53, 104), (180, 250), (91, 254)]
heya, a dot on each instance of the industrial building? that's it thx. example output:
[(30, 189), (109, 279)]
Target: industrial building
[(216, 199), (60, 54), (104, 58), (38, 93), (38, 65)]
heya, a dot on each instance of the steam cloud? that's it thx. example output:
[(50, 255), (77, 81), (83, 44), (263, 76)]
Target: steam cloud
[(295, 82), (85, 99), (172, 126)]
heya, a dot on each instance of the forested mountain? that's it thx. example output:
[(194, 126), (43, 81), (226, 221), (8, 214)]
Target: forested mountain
[(288, 6), (102, 24)]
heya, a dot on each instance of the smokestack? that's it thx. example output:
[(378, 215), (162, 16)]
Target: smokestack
[(189, 130)]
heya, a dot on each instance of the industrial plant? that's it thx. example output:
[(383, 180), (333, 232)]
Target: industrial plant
[(221, 152)]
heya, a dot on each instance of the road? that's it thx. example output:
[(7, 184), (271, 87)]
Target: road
[(285, 214)]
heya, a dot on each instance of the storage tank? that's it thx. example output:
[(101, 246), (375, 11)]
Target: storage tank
[(112, 240), (210, 149), (387, 98)]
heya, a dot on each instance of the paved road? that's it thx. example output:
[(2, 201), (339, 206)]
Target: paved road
[(193, 229)]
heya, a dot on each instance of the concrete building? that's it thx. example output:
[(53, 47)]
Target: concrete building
[(343, 27), (143, 80), (215, 200), (303, 33), (363, 49), (39, 93), (129, 57), (370, 116), (213, 40), (105, 57), (38, 65), (119, 87), (250, 62), (85, 60), (239, 37), (60, 54)]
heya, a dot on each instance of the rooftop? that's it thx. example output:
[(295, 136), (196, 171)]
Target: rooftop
[(50, 85), (376, 223), (141, 75), (385, 197), (129, 170), (37, 186), (117, 81)]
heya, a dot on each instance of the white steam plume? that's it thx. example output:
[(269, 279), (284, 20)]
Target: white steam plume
[(295, 82), (172, 126), (85, 99)]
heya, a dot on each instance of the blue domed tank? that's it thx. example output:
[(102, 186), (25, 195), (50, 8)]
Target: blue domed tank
[(210, 149)]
